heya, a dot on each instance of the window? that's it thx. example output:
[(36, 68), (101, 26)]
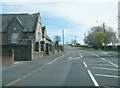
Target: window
[(14, 37)]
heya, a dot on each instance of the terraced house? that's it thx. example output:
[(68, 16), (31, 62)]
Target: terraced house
[(25, 35)]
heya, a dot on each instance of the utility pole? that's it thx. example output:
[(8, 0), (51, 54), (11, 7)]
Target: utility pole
[(104, 35), (63, 38)]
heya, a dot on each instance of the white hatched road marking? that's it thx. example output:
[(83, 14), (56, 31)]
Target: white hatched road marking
[(107, 75), (112, 64), (104, 68)]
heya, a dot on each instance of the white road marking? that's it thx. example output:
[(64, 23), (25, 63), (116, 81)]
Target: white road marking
[(97, 56), (112, 64), (80, 55), (85, 64), (99, 64), (102, 58), (71, 58), (77, 58), (57, 59), (107, 75), (93, 79), (13, 82), (104, 68)]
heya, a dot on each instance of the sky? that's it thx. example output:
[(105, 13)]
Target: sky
[(75, 17)]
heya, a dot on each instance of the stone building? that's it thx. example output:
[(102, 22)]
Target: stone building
[(47, 43), (24, 34), (19, 28)]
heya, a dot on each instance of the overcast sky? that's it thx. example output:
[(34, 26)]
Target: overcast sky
[(76, 17)]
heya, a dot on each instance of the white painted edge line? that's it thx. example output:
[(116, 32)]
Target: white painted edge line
[(93, 79), (112, 64), (107, 75), (11, 83), (104, 68), (57, 59), (85, 64)]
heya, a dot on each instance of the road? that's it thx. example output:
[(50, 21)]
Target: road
[(74, 67)]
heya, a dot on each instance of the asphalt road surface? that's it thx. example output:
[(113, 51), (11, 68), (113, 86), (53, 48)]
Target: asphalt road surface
[(74, 67)]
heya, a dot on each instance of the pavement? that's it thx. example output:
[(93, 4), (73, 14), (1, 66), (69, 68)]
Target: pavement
[(74, 67)]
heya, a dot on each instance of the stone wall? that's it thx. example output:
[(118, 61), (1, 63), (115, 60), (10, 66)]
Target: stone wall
[(22, 52), (7, 55)]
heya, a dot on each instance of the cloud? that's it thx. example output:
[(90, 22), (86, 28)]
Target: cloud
[(75, 17)]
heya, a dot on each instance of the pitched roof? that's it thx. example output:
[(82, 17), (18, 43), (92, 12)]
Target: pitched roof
[(28, 21)]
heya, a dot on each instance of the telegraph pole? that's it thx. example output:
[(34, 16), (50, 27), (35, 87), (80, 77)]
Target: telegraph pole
[(63, 38), (104, 36)]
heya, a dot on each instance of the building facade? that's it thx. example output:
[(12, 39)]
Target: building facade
[(24, 34), (20, 28)]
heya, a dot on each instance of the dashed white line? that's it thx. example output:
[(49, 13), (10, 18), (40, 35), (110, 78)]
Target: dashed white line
[(85, 64), (93, 79), (107, 75), (112, 64)]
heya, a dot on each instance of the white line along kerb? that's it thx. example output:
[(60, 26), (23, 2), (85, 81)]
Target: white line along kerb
[(93, 79), (57, 58)]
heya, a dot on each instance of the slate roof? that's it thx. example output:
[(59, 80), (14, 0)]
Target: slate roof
[(28, 21)]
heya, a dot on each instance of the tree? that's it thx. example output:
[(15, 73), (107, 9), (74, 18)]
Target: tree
[(57, 39), (98, 39), (97, 36)]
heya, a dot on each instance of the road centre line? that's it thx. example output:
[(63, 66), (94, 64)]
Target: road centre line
[(112, 64), (107, 75), (85, 64), (103, 68), (13, 82), (93, 79)]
